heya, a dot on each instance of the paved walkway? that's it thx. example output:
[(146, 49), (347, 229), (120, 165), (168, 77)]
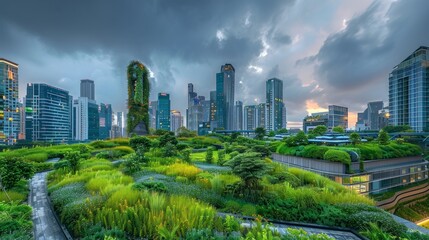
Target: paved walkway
[(45, 225), (410, 225)]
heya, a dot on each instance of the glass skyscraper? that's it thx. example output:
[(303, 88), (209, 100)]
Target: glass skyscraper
[(225, 87), (338, 116), (85, 119), (163, 112), (409, 91), (48, 113), (250, 117), (105, 113), (87, 89), (9, 104), (275, 106), (238, 115)]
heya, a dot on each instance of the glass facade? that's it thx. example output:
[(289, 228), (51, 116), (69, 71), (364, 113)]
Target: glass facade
[(238, 115), (225, 87), (250, 117), (338, 116), (48, 113), (275, 105), (87, 89), (409, 91), (105, 113), (163, 112)]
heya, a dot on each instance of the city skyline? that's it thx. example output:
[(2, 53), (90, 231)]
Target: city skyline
[(287, 40)]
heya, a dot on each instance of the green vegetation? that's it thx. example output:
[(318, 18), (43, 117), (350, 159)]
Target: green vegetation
[(415, 211), (338, 129), (13, 169), (15, 221)]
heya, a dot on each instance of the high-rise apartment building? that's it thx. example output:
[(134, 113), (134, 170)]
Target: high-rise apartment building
[(250, 117), (120, 119), (85, 119), (48, 114), (338, 116), (262, 113), (9, 102), (163, 112), (191, 99), (225, 87), (87, 89), (176, 120), (409, 91), (275, 105), (105, 118), (238, 115)]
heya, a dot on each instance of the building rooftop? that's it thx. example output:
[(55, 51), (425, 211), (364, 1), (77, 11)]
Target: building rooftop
[(8, 62)]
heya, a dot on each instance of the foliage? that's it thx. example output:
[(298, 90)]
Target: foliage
[(184, 132), (186, 155), (12, 170), (151, 185), (400, 128), (383, 137), (299, 139), (209, 155), (135, 142), (260, 133), (319, 130), (338, 129), (385, 222), (37, 157), (123, 150), (249, 167), (355, 138), (15, 221), (73, 158), (181, 169), (337, 156), (221, 157), (167, 138), (169, 150), (41, 167), (282, 131), (262, 149)]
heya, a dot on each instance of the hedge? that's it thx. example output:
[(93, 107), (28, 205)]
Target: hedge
[(337, 156)]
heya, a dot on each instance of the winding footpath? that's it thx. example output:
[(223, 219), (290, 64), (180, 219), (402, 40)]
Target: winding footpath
[(45, 224)]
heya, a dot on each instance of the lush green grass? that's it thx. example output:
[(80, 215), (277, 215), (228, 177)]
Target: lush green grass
[(415, 211), (15, 221), (18, 193)]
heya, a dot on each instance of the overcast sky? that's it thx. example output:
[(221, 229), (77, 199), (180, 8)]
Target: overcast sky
[(326, 52)]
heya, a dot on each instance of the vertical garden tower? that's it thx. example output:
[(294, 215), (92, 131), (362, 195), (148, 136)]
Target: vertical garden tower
[(138, 99)]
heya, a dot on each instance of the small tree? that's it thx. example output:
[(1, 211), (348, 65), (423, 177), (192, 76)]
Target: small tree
[(186, 155), (355, 138), (169, 150), (338, 129), (249, 167), (282, 131), (300, 138), (184, 132), (167, 138), (271, 134), (383, 137), (320, 130), (73, 157), (221, 157), (14, 169), (209, 155), (259, 133), (138, 141)]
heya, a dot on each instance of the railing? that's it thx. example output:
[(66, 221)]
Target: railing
[(404, 196)]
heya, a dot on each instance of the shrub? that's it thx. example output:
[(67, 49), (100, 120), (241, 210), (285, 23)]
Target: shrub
[(209, 155), (262, 149), (385, 222), (135, 142), (169, 150), (220, 157), (232, 206), (12, 170), (337, 156), (314, 151), (41, 167), (249, 167), (37, 157), (15, 220), (151, 186), (73, 158), (123, 150), (233, 154), (186, 155), (103, 144), (184, 170), (248, 210)]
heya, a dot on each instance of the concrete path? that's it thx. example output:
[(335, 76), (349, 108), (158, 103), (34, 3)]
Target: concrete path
[(45, 224), (411, 225)]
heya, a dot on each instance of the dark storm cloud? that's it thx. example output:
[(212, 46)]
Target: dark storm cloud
[(372, 44)]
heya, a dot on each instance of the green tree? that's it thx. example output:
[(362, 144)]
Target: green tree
[(169, 150), (138, 141), (282, 131), (355, 138), (383, 137), (259, 133), (167, 138), (160, 132), (400, 128), (338, 129), (271, 134), (209, 155), (221, 157), (234, 136), (320, 130), (73, 158), (14, 169), (184, 132), (300, 138), (249, 167), (186, 155)]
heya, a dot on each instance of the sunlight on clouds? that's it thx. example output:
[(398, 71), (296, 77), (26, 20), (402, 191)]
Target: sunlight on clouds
[(313, 107), (255, 69)]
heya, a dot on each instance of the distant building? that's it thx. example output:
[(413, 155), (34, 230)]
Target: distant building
[(203, 128), (205, 104), (153, 107), (275, 106), (85, 116), (21, 135), (163, 112), (238, 115), (176, 120), (116, 132), (383, 117), (105, 118), (316, 119), (338, 116), (212, 106), (9, 102), (191, 98), (250, 117), (369, 119), (408, 97), (87, 89), (262, 113), (48, 114), (225, 87), (120, 118)]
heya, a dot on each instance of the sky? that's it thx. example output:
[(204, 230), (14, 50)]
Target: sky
[(326, 52)]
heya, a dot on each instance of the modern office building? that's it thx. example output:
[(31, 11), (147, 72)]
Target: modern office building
[(21, 134), (225, 87), (153, 106), (105, 118), (369, 119), (409, 91), (314, 120), (338, 116), (238, 115), (87, 89), (261, 115), (205, 104), (176, 119), (9, 102), (275, 105), (191, 98), (250, 117), (163, 112), (85, 119), (48, 114), (195, 114), (120, 121), (212, 106)]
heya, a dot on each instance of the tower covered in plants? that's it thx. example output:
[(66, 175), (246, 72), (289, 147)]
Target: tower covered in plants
[(138, 99)]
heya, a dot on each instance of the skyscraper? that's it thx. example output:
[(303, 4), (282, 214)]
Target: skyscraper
[(369, 119), (250, 117), (191, 99), (105, 118), (275, 106), (87, 89), (176, 120), (409, 91), (338, 116), (153, 106), (120, 118), (238, 115), (261, 115), (225, 87), (85, 119), (48, 115), (163, 112), (9, 102)]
